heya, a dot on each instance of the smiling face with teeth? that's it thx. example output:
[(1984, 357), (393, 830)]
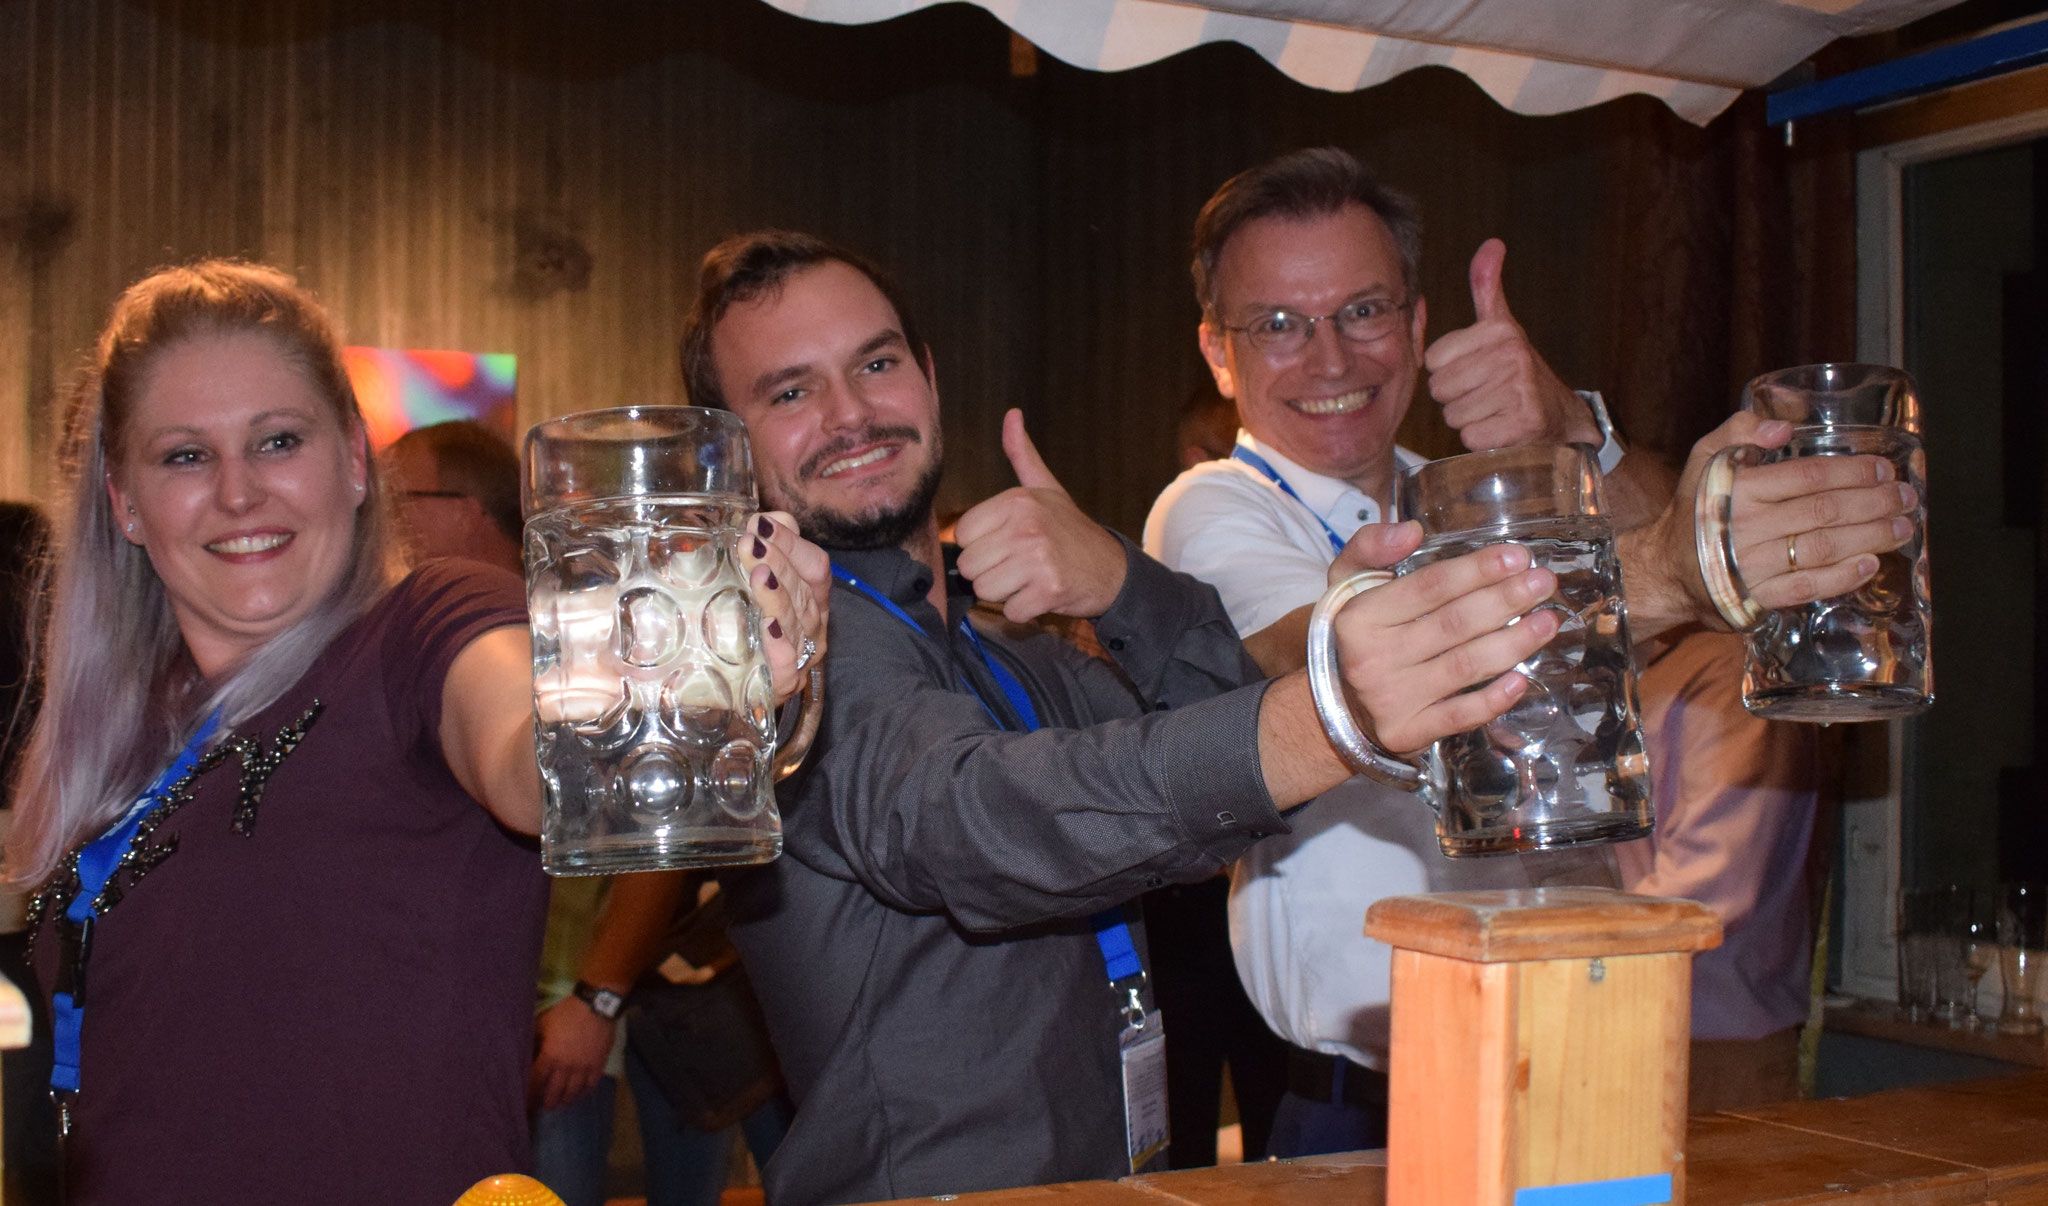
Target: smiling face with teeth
[(1334, 406), (843, 419), (242, 485)]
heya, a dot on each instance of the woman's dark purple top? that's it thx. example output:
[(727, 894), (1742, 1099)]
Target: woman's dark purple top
[(337, 1006)]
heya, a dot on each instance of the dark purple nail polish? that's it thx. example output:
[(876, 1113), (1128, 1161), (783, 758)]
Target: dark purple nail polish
[(775, 629), (772, 583), (760, 550), (764, 527)]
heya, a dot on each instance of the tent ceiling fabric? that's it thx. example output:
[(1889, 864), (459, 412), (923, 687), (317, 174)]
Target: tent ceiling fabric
[(1532, 56)]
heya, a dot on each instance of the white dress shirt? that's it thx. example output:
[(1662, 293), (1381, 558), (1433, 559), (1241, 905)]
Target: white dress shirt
[(1298, 901)]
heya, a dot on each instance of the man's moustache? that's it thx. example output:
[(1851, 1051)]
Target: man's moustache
[(838, 448)]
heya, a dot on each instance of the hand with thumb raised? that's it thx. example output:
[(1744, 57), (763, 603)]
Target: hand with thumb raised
[(1493, 386), (1031, 549)]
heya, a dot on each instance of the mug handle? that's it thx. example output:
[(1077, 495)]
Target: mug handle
[(790, 754), (1327, 689), (1714, 542)]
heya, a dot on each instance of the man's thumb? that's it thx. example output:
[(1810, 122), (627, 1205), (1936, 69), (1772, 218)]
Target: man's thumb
[(1376, 546), (1489, 300), (1024, 459)]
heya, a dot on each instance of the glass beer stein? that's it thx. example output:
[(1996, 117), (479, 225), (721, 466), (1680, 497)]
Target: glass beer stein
[(655, 717), (1860, 656), (1565, 766)]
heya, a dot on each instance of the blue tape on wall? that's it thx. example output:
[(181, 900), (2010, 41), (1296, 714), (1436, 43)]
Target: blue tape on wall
[(1629, 1191)]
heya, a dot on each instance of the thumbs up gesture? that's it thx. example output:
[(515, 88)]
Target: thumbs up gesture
[(1493, 386), (1031, 549)]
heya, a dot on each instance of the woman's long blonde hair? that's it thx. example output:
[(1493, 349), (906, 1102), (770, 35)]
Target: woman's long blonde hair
[(120, 693)]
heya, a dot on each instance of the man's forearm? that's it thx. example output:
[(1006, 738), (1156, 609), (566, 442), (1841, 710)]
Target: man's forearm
[(1282, 646), (1638, 489), (1295, 756)]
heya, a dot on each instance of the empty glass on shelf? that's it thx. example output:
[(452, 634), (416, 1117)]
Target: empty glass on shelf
[(2022, 953)]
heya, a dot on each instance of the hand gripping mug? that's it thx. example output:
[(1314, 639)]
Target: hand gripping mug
[(1859, 656), (1565, 766), (655, 717)]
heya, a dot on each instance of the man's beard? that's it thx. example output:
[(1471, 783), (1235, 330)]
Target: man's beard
[(880, 528)]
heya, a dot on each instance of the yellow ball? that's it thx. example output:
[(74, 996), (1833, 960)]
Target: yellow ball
[(512, 1189)]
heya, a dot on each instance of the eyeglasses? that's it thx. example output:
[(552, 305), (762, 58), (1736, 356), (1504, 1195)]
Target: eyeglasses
[(1284, 332)]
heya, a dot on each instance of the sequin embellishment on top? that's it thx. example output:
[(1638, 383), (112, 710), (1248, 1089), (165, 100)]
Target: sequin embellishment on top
[(145, 853)]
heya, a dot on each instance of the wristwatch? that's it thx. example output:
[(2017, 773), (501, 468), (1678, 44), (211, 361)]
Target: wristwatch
[(602, 1001), (1610, 443)]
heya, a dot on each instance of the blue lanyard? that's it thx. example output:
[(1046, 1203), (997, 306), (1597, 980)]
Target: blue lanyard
[(1241, 453), (1112, 936), (97, 862), (1012, 689)]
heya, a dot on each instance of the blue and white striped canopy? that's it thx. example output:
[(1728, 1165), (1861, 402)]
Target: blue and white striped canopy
[(1533, 56)]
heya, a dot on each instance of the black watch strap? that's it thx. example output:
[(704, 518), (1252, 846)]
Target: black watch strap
[(602, 1001)]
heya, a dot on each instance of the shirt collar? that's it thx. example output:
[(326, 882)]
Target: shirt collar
[(902, 579), (1336, 500)]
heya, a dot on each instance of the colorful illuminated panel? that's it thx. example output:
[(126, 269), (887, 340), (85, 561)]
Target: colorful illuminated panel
[(400, 389)]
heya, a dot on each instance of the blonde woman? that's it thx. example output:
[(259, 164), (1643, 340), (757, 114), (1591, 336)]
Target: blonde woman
[(279, 792)]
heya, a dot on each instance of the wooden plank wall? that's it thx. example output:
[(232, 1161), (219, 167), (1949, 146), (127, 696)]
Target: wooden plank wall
[(541, 178)]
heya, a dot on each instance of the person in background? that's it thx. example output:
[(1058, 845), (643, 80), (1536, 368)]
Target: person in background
[(1307, 271), (1207, 429), (458, 493), (275, 796), (1735, 799), (1188, 926), (1215, 1025), (31, 1123)]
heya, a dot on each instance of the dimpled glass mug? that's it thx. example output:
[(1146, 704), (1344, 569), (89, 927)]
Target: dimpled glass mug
[(1860, 656), (1565, 766), (655, 717)]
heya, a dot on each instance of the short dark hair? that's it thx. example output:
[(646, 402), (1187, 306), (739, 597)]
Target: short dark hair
[(747, 266), (1302, 184), (473, 460)]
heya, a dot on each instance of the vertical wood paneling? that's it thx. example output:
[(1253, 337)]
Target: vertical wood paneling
[(542, 178)]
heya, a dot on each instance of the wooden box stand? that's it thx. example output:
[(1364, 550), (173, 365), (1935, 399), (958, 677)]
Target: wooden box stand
[(1539, 1046)]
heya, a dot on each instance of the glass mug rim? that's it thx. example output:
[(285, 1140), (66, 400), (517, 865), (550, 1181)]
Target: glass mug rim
[(1581, 500), (616, 425), (1898, 405)]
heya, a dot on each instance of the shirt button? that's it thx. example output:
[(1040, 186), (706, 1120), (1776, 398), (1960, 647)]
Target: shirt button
[(1116, 643), (1161, 706), (1364, 515), (1225, 818)]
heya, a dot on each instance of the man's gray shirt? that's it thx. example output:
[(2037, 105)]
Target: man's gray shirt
[(922, 948)]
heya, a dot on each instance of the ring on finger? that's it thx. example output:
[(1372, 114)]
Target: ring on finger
[(1792, 552), (805, 652)]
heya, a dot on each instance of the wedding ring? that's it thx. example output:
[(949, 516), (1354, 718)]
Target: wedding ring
[(806, 652), (1792, 552)]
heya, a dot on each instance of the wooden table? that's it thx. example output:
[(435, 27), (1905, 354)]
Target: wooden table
[(1977, 1143)]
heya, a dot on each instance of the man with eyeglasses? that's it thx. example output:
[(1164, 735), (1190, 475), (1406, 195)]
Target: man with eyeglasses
[(458, 493), (1306, 269)]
